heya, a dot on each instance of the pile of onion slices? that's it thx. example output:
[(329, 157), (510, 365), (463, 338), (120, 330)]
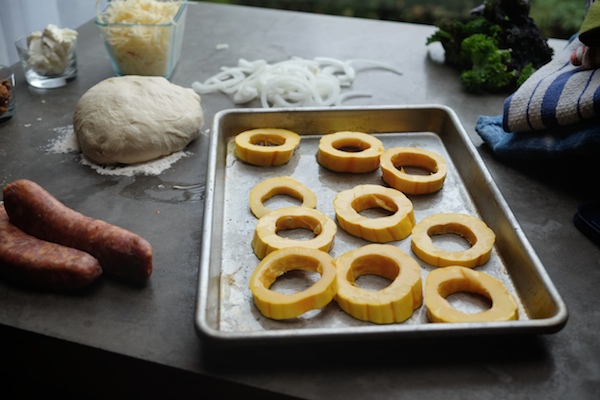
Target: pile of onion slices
[(295, 82)]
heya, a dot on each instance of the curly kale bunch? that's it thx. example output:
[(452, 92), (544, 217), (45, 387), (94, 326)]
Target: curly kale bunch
[(496, 50)]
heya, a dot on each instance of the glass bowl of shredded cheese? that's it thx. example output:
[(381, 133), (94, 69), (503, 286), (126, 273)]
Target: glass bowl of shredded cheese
[(142, 37)]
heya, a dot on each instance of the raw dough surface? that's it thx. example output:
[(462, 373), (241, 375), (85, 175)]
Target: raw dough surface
[(133, 119)]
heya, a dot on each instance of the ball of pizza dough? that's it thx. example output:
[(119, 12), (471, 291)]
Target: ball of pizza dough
[(133, 119)]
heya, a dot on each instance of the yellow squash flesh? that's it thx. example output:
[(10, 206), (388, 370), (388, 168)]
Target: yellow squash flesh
[(397, 226), (277, 305), (266, 147), (394, 303), (284, 185), (474, 230), (348, 151), (395, 159), (266, 239), (440, 283)]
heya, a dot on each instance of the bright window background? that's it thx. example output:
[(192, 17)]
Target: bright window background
[(21, 17), (556, 18)]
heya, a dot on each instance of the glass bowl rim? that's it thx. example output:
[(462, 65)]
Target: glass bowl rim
[(128, 24)]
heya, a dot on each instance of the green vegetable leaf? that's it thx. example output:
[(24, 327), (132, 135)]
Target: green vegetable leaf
[(489, 70), (497, 49)]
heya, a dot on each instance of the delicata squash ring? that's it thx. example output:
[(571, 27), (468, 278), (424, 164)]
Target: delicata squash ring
[(349, 203), (277, 305), (349, 151), (266, 239), (474, 230), (266, 147), (285, 185), (394, 303), (443, 282), (399, 157)]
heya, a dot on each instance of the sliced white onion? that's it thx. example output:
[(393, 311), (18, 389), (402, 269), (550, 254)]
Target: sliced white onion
[(348, 95), (295, 82)]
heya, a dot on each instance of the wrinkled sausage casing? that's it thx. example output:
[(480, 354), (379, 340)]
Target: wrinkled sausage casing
[(38, 213), (29, 260)]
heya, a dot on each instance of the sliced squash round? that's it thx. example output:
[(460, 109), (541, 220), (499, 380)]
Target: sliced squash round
[(475, 231), (277, 305), (267, 240), (266, 147), (394, 303), (349, 151), (441, 283), (393, 163), (279, 185), (349, 203)]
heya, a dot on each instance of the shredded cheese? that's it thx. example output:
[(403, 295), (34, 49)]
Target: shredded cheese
[(139, 34)]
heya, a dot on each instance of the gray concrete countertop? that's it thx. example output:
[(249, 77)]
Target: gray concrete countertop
[(116, 340)]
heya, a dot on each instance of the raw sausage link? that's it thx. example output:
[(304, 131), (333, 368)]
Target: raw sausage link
[(29, 260), (38, 213)]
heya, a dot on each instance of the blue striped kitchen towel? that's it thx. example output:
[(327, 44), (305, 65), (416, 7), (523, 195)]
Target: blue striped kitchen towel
[(580, 140), (557, 94)]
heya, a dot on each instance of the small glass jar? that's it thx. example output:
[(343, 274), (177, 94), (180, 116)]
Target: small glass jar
[(47, 71), (7, 93), (143, 49)]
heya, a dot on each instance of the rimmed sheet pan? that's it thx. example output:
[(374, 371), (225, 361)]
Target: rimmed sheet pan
[(225, 312)]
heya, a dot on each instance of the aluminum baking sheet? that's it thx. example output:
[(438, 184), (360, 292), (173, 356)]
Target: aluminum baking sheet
[(225, 311)]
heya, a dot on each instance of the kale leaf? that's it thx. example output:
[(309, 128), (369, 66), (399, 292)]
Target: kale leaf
[(497, 48)]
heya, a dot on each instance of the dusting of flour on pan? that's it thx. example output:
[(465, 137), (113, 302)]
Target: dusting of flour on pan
[(66, 142)]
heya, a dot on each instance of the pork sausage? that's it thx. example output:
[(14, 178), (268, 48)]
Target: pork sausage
[(119, 251), (31, 261)]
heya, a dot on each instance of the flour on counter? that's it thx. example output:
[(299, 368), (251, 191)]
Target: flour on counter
[(66, 142), (148, 168)]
